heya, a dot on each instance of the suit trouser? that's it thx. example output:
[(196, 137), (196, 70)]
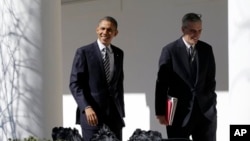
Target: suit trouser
[(112, 121), (199, 127), (87, 134)]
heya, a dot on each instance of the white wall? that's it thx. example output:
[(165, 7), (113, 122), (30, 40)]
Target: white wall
[(145, 26)]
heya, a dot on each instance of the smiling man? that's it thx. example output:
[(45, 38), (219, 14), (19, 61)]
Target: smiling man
[(96, 82), (187, 72)]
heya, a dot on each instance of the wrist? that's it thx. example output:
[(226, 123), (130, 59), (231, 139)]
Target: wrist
[(87, 107)]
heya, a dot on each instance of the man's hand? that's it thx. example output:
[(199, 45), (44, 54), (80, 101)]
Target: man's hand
[(162, 120), (91, 116)]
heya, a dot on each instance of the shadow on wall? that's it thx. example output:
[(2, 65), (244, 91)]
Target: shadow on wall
[(20, 77)]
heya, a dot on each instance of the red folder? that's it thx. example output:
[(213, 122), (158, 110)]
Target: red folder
[(171, 104)]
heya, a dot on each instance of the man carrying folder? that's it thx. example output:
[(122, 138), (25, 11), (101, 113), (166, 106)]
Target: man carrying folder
[(187, 72)]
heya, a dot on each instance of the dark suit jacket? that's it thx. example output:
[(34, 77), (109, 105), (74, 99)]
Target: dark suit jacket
[(174, 79), (88, 82)]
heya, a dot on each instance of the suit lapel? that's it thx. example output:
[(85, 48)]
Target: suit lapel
[(197, 67), (182, 62), (97, 54), (116, 63), (199, 60)]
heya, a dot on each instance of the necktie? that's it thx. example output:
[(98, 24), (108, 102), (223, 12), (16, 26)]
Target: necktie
[(192, 60), (191, 54), (107, 64)]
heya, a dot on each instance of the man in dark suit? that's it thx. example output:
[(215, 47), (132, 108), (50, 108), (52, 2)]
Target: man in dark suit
[(96, 82), (190, 77)]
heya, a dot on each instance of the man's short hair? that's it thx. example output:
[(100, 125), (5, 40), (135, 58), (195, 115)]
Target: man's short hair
[(110, 19), (190, 17)]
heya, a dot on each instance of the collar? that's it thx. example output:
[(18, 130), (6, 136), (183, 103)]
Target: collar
[(102, 46), (187, 44)]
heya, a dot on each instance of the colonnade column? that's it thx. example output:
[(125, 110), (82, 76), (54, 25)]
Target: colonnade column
[(31, 68), (239, 65)]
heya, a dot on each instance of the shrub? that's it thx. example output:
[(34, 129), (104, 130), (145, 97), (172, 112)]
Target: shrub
[(30, 138)]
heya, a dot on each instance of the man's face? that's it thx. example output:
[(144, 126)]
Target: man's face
[(105, 32), (192, 32)]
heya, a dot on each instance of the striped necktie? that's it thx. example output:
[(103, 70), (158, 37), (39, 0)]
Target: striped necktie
[(106, 64)]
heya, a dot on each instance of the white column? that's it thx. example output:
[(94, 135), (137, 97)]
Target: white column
[(30, 68), (239, 64)]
